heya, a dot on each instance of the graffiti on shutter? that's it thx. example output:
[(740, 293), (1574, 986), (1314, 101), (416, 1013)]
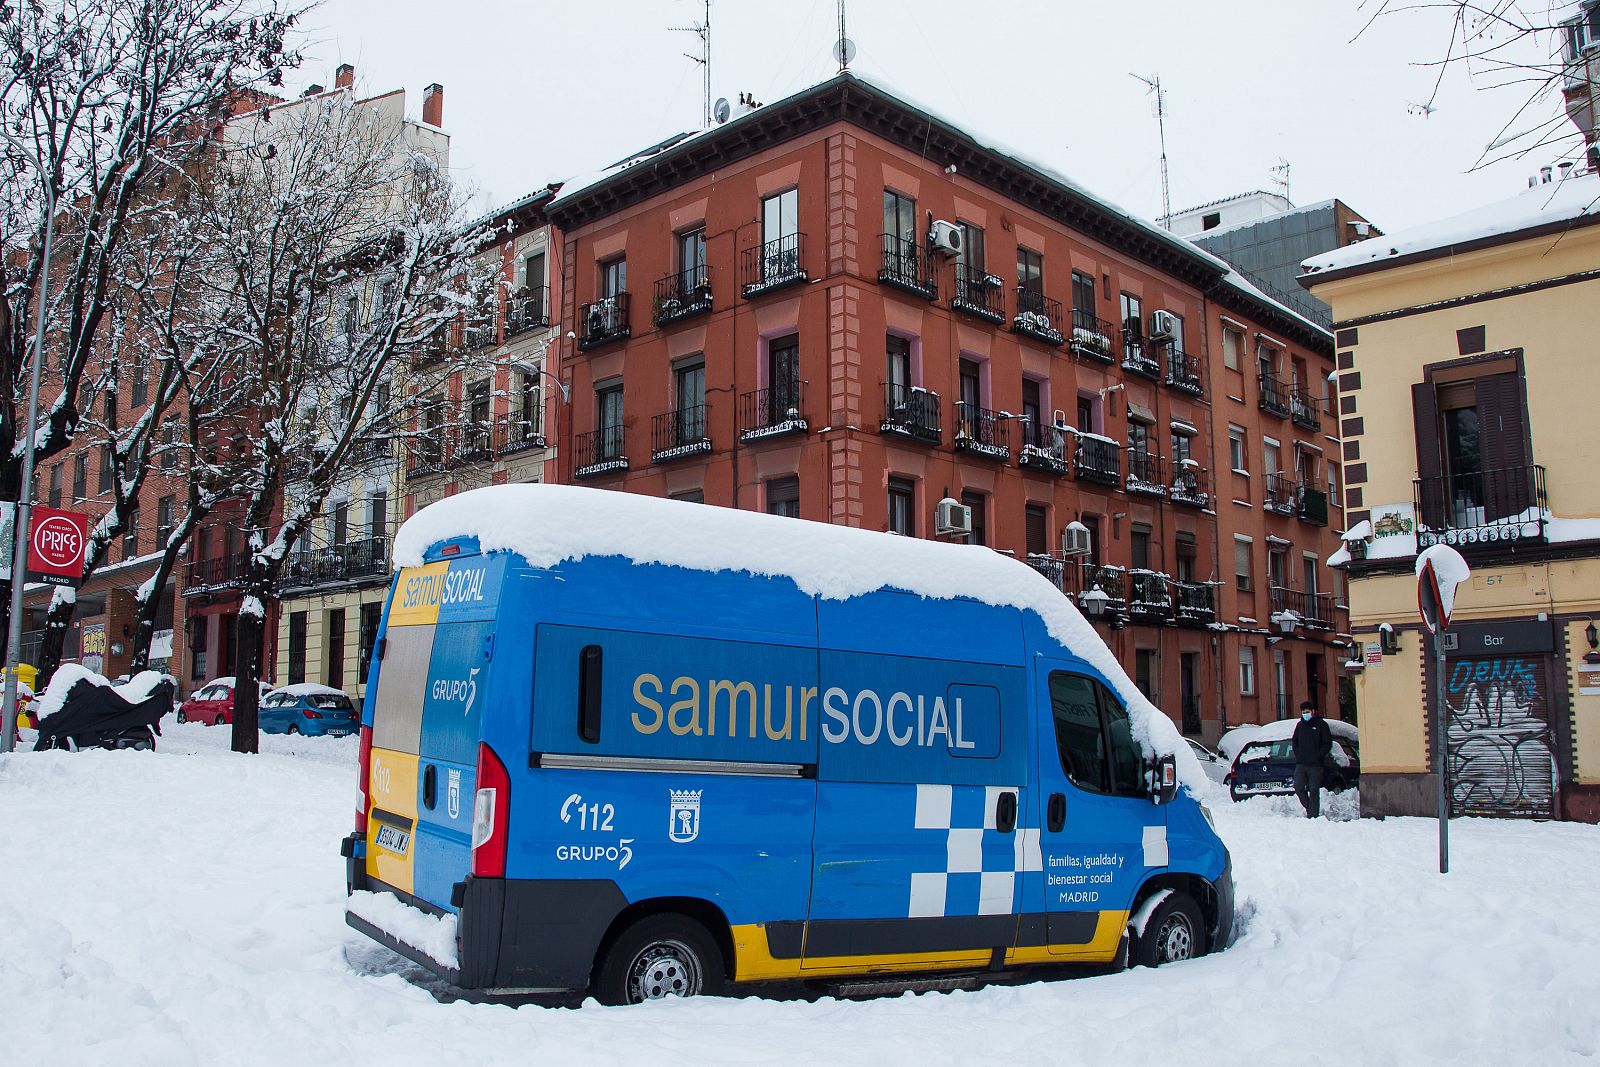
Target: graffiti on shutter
[(1500, 749)]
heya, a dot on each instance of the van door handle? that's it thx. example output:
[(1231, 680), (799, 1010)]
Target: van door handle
[(1056, 813), (1005, 813), (430, 786)]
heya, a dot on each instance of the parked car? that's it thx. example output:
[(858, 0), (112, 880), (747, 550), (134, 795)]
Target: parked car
[(311, 709), (1266, 768), (1215, 766), (212, 703)]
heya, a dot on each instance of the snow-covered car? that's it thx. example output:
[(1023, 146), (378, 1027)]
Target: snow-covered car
[(1215, 766), (1264, 765), (1229, 744), (212, 703), (308, 708)]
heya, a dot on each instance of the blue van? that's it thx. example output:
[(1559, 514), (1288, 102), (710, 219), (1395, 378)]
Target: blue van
[(605, 772)]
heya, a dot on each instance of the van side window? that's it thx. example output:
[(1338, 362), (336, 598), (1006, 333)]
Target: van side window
[(1127, 773), (1079, 738), (589, 662)]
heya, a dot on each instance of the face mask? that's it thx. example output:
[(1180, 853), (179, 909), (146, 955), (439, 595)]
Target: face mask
[(1306, 715)]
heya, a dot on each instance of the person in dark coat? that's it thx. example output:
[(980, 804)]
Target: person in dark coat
[(1313, 742)]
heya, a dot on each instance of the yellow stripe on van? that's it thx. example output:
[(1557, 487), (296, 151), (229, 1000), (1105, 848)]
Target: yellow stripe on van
[(417, 594), (1101, 949), (392, 783)]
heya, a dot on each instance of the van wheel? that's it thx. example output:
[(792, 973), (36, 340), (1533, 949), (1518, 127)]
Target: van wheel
[(1175, 933), (660, 956)]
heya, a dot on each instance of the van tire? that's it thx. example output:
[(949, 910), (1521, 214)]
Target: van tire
[(1175, 932), (657, 956)]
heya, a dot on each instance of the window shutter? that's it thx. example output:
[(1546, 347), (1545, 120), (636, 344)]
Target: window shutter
[(1430, 467), (1508, 488)]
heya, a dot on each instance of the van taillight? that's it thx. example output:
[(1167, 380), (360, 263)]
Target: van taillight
[(364, 779), (490, 810)]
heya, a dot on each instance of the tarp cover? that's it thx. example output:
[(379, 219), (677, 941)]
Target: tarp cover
[(92, 711)]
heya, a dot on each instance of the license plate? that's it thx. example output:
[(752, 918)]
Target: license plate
[(393, 839)]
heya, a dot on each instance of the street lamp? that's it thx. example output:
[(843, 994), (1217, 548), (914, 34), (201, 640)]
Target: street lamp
[(1094, 602), (24, 511)]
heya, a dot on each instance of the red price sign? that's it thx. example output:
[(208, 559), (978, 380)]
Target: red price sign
[(56, 546)]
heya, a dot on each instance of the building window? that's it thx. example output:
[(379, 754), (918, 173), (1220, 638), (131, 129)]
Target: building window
[(297, 647), (1088, 413), (971, 254), (783, 378), (1277, 564), (608, 405), (341, 524), (350, 322), (902, 507), (897, 370), (1036, 529), (80, 475), (478, 406), (371, 615), (1247, 671), (334, 642), (1243, 569), (1032, 403), (1308, 567), (1185, 555), (169, 450), (166, 519), (613, 277), (783, 497), (1182, 452), (197, 646), (1139, 542), (1132, 320), (1083, 306), (1238, 451), (690, 386), (899, 233), (140, 375), (1144, 671), (1093, 523), (1582, 33), (1030, 271), (130, 535), (378, 514), (690, 496), (692, 260), (108, 468), (1210, 220), (55, 485), (780, 235), (978, 503), (1232, 348)]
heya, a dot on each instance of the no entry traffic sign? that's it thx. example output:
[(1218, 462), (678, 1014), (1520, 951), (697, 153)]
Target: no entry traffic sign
[(56, 546)]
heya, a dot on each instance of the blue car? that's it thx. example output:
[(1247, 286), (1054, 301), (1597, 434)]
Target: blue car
[(314, 710)]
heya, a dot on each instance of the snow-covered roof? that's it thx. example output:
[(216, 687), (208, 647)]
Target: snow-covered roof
[(549, 524), (1574, 201)]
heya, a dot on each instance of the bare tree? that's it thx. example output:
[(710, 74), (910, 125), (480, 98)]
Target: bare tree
[(103, 104), (315, 200)]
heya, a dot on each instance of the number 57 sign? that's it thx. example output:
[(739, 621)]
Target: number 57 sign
[(56, 544)]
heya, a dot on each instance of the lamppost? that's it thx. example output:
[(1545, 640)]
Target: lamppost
[(24, 510)]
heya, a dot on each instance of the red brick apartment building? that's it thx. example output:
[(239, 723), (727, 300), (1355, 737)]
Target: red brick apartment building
[(841, 307)]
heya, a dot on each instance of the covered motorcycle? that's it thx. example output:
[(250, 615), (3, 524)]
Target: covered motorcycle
[(94, 714)]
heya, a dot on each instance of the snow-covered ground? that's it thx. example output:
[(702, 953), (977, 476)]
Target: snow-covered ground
[(186, 907)]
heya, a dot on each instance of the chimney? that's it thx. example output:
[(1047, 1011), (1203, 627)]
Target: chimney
[(1544, 175), (433, 105), (312, 90), (344, 77)]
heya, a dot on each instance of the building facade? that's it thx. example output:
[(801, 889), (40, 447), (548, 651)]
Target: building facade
[(842, 308), (1462, 349)]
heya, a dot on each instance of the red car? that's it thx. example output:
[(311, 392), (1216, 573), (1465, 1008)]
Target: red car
[(212, 703)]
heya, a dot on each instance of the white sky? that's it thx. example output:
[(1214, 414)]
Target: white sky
[(538, 91)]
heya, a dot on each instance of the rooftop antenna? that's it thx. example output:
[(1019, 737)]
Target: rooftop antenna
[(1280, 178), (1153, 83), (844, 49), (701, 30)]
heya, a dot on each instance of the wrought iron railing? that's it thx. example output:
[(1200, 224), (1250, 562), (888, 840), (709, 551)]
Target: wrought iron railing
[(1274, 395), (599, 452), (984, 432), (336, 564), (520, 433), (1044, 447), (1038, 316), (1147, 473), (1110, 580), (682, 294), (1197, 602), (431, 454), (1139, 357), (474, 443), (603, 321), (1097, 459), (1149, 595), (978, 293), (910, 411), (1483, 509), (1314, 610), (1186, 371), (773, 265), (1282, 493), (775, 411), (1190, 485), (1093, 336), (527, 309), (1304, 409), (679, 434), (1053, 568), (220, 572), (907, 265)]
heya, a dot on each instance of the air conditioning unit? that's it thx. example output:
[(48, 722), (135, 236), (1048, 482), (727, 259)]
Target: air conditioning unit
[(1075, 540), (1163, 326), (946, 237), (952, 517)]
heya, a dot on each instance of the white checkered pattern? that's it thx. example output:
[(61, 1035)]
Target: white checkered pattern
[(965, 857)]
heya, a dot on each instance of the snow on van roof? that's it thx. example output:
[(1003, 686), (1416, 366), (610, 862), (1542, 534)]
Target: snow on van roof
[(548, 524)]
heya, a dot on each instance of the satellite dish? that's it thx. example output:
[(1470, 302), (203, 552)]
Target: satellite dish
[(721, 110), (844, 50)]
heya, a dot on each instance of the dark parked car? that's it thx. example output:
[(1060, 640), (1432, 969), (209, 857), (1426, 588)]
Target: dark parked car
[(1266, 768)]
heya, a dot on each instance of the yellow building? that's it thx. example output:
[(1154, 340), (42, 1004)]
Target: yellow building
[(1468, 416)]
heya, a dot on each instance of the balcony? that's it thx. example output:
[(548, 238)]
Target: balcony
[(1314, 611), (1282, 494), (682, 295), (1056, 570), (1274, 395), (774, 265), (474, 444), (1303, 409), (1190, 485), (432, 352), (679, 434), (910, 411), (478, 333), (527, 309), (1147, 473), (1092, 336), (1490, 509), (1044, 448), (907, 265), (223, 572), (983, 432), (1197, 602), (1185, 371), (978, 294), (603, 321), (1138, 357), (599, 452), (1312, 505), (776, 411), (357, 561), (515, 435), (429, 455), (1038, 317), (1112, 581), (1098, 459), (1149, 596)]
